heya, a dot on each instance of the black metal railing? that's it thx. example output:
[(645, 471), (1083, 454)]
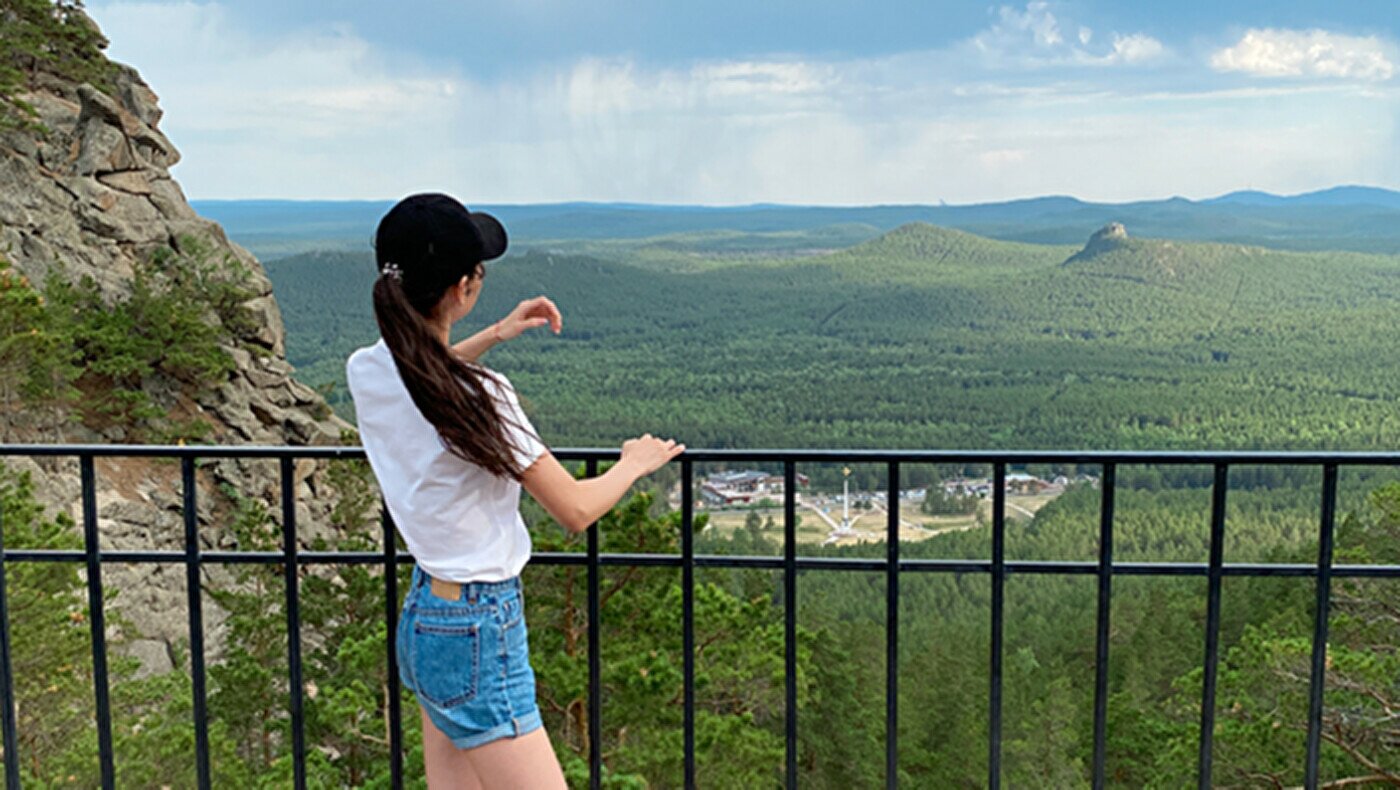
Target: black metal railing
[(892, 565)]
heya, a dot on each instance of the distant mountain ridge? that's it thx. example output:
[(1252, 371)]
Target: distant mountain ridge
[(1355, 218), (1350, 195)]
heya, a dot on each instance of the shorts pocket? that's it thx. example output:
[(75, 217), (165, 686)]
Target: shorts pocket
[(512, 610), (446, 661)]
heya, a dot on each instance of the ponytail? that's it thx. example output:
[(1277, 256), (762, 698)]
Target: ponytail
[(449, 391)]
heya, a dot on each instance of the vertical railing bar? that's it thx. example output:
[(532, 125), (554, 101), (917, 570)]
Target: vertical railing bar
[(7, 675), (790, 616), (1317, 679), (97, 621), (1212, 658), (998, 623), (391, 620), (289, 565), (595, 655), (688, 614), (194, 597), (892, 630), (1110, 474)]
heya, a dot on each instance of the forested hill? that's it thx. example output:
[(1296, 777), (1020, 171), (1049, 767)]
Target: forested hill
[(923, 337), (921, 253)]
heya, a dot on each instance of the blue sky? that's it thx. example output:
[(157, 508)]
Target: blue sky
[(817, 102)]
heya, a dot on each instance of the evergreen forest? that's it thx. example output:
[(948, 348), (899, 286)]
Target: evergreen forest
[(921, 337)]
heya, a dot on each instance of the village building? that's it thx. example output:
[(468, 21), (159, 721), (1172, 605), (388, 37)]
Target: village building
[(743, 487)]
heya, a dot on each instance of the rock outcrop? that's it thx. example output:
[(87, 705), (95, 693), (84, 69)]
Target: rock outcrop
[(1109, 237), (93, 197)]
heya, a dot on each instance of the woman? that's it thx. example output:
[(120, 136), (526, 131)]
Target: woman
[(451, 449)]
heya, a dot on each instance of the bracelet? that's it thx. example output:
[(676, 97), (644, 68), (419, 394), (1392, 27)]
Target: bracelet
[(496, 332)]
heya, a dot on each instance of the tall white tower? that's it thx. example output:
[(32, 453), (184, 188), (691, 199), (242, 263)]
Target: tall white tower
[(846, 498)]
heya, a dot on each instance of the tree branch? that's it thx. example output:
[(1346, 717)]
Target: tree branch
[(1356, 755)]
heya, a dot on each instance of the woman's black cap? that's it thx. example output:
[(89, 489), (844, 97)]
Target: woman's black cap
[(434, 234)]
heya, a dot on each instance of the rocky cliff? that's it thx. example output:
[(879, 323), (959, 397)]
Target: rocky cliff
[(1106, 239), (93, 196)]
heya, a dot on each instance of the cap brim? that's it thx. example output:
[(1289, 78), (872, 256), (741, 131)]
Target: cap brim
[(493, 235)]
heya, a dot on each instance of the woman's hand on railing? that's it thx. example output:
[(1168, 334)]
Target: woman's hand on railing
[(577, 503), (647, 453), (528, 315)]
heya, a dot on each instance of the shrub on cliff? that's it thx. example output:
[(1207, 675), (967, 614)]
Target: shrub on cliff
[(53, 36), (69, 354)]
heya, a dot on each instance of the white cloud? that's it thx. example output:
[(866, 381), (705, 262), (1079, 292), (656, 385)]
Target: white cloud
[(311, 82), (1271, 52), (1003, 157), (1036, 20), (750, 78), (599, 87), (1135, 48), (1033, 38), (322, 113)]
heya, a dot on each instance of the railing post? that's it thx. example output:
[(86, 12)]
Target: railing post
[(892, 629), (790, 615), (1318, 676), (289, 566), (391, 620), (1110, 473), (595, 661), (194, 596), (998, 623), (688, 615), (1212, 660), (92, 549), (7, 675)]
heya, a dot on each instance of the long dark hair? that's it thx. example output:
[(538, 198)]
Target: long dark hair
[(450, 392)]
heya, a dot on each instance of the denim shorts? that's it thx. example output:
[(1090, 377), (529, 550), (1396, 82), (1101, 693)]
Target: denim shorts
[(468, 660)]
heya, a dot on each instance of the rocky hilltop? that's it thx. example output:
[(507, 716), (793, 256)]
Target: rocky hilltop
[(86, 191), (1106, 239)]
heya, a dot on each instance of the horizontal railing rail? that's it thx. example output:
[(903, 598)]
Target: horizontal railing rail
[(291, 557)]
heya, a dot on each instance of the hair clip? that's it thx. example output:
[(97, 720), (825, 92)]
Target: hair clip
[(392, 269)]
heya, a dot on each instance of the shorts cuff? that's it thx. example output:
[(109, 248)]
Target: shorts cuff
[(516, 727)]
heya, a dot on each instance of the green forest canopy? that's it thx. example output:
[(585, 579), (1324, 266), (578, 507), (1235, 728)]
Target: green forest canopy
[(924, 337)]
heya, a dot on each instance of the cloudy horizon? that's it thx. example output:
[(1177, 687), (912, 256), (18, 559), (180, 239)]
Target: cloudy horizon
[(836, 106)]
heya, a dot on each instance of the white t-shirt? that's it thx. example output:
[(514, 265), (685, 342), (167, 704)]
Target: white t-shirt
[(461, 522)]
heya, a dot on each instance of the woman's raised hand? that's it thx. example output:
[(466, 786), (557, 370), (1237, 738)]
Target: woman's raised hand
[(528, 315), (650, 453)]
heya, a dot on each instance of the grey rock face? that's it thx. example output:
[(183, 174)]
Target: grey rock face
[(1111, 231), (1106, 239), (93, 197)]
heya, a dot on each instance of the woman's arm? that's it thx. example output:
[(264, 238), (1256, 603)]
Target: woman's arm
[(526, 315), (473, 347), (577, 503)]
